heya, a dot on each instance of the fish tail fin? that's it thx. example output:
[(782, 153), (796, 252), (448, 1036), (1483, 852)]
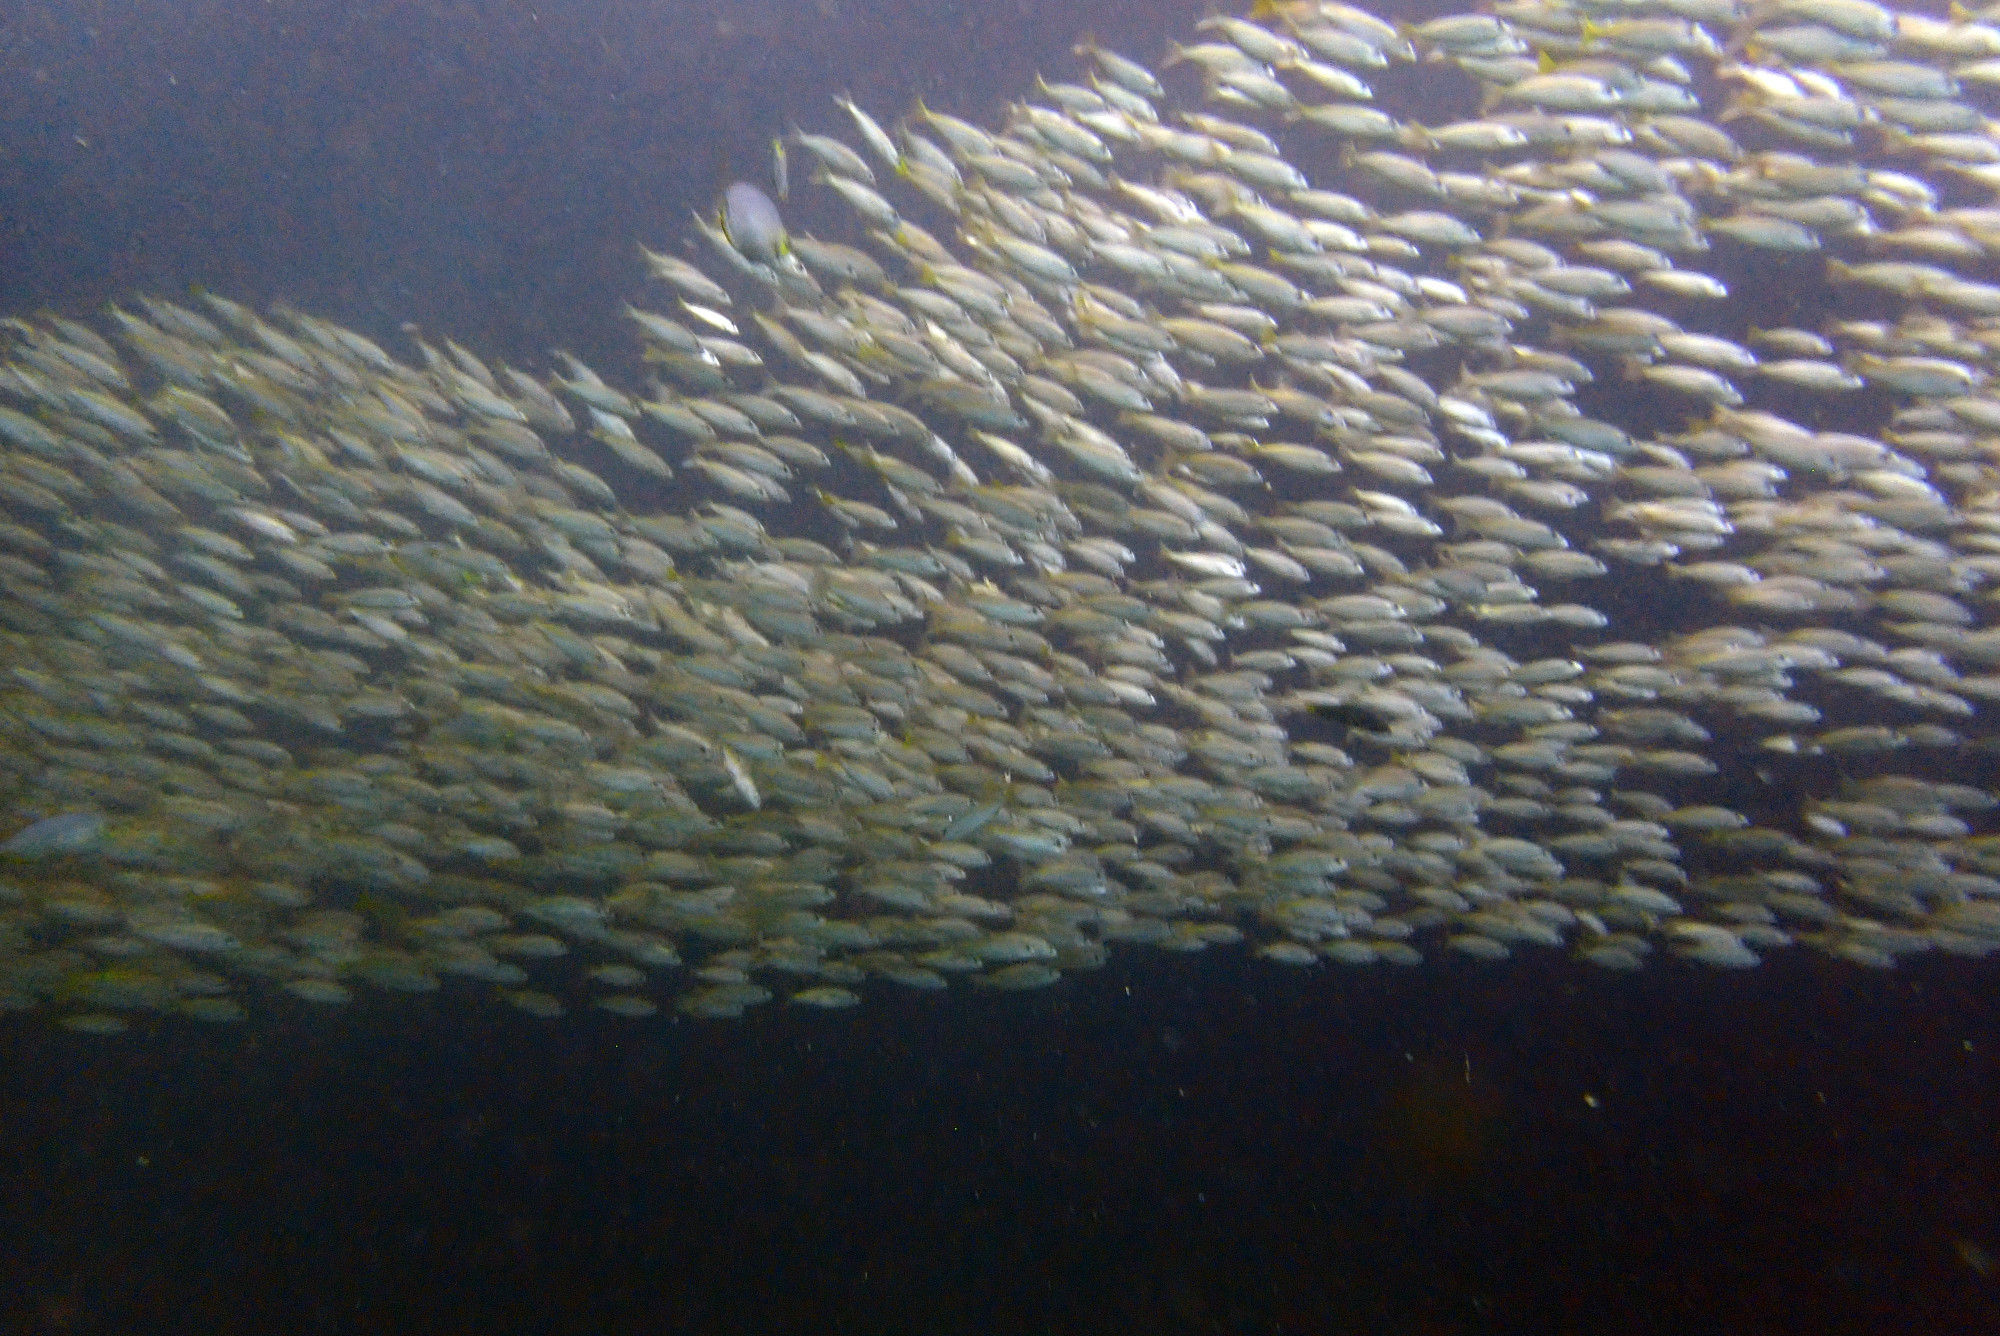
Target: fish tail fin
[(1273, 9), (1746, 28)]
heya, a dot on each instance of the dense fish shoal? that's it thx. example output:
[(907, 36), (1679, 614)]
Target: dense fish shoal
[(1216, 506)]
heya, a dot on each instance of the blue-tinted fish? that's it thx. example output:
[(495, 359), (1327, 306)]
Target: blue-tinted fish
[(52, 837), (753, 224)]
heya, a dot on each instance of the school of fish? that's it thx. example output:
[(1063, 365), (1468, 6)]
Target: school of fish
[(1245, 514)]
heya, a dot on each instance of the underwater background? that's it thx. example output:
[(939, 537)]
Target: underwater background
[(1165, 1145), (1224, 1148), (484, 171)]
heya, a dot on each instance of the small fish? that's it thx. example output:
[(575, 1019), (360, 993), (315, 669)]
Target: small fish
[(752, 223), (872, 134), (56, 836)]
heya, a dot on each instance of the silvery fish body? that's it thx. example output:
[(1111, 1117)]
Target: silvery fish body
[(753, 224)]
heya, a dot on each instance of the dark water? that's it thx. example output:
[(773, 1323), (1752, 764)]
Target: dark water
[(483, 169), (1225, 1147), (1208, 1145)]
